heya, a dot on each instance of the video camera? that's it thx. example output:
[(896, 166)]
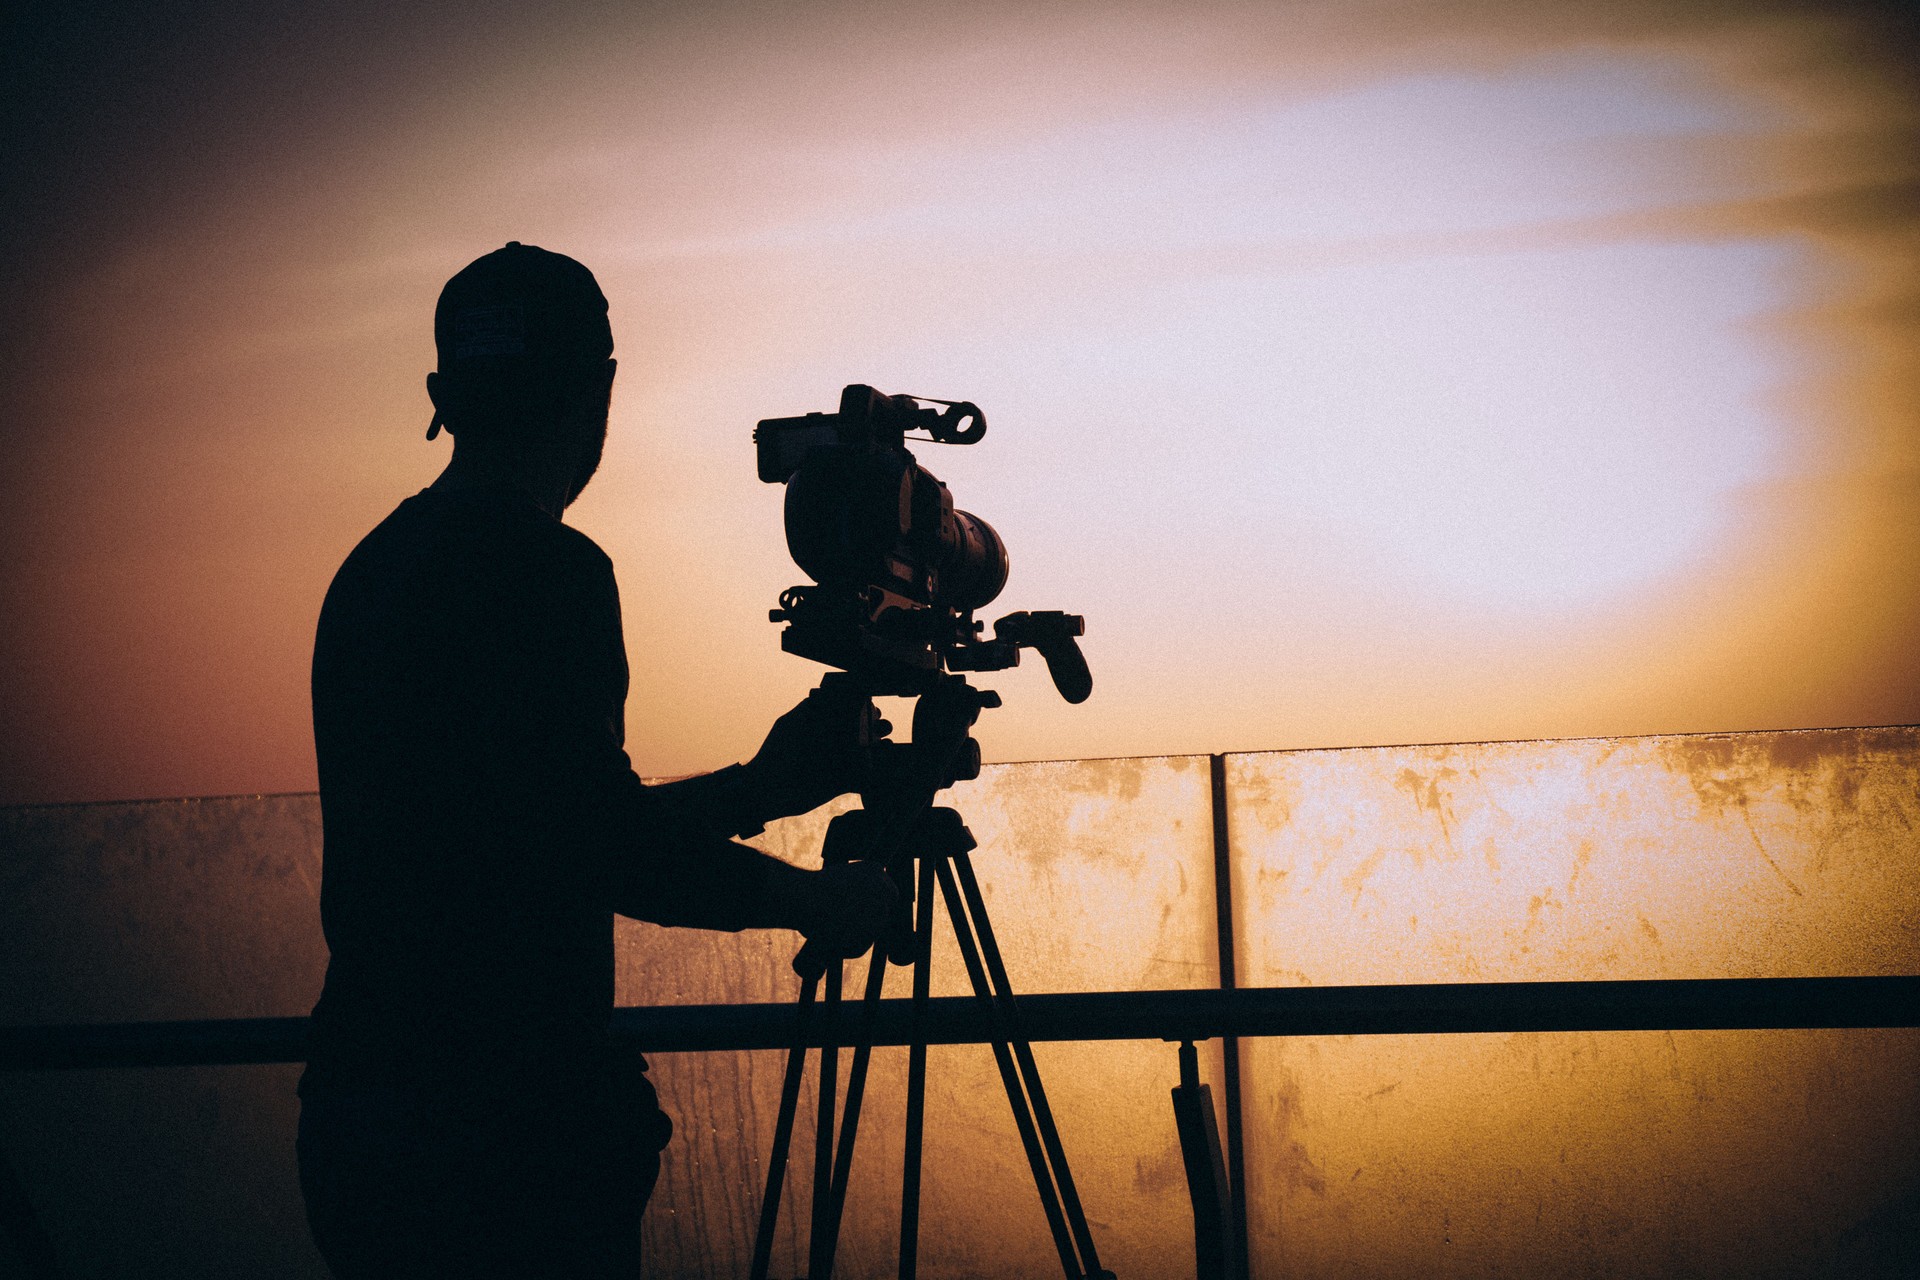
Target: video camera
[(897, 570)]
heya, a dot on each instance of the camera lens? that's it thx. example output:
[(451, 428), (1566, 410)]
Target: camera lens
[(855, 518), (972, 564)]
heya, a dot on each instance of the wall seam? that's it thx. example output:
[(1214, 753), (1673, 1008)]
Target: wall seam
[(1239, 1265)]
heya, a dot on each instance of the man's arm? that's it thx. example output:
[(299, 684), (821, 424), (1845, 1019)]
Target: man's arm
[(713, 883), (726, 801), (812, 755), (542, 705)]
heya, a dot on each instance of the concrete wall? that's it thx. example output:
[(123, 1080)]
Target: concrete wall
[(1708, 1154), (1681, 1154), (168, 909)]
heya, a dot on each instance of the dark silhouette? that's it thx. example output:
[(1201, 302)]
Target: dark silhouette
[(464, 1112)]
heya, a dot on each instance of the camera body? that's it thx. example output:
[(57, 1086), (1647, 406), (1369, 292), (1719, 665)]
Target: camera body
[(897, 569)]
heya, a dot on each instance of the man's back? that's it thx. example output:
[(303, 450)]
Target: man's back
[(467, 686)]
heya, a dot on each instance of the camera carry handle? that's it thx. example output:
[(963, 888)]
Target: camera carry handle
[(921, 846)]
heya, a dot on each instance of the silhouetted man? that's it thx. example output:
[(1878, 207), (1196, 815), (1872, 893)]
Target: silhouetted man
[(464, 1112)]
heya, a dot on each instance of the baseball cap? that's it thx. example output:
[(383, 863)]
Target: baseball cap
[(519, 310)]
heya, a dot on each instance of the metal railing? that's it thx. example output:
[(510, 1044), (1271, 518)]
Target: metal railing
[(1176, 1016), (1672, 1004)]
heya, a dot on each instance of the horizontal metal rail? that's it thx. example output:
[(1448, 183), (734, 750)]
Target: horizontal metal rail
[(1425, 1009)]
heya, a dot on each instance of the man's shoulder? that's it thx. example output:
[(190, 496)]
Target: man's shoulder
[(501, 528), (450, 558)]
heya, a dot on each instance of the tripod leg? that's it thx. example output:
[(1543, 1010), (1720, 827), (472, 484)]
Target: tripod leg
[(1030, 1070), (817, 1245), (783, 1133), (850, 1125), (916, 1074), (1023, 1120)]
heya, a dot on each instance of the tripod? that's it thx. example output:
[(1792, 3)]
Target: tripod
[(920, 846)]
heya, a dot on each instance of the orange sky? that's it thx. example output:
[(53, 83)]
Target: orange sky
[(1363, 372)]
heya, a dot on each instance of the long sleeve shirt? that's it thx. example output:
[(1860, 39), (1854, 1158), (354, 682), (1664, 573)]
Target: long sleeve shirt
[(482, 822)]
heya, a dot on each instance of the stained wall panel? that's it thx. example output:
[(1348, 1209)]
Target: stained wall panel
[(1710, 856), (1698, 1154), (1098, 875), (203, 908), (1704, 1154)]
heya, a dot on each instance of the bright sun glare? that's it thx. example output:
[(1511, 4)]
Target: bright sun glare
[(1346, 309)]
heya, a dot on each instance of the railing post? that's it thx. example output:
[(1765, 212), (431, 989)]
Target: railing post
[(1206, 1173)]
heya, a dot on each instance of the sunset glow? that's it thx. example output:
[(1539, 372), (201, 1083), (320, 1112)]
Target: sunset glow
[(1483, 439), (1359, 380)]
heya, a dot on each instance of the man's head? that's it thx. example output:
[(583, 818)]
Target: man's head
[(526, 364)]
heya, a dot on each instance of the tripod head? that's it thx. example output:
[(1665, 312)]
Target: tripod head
[(943, 750), (897, 822)]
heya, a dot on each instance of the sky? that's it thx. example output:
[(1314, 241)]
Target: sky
[(1363, 372)]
